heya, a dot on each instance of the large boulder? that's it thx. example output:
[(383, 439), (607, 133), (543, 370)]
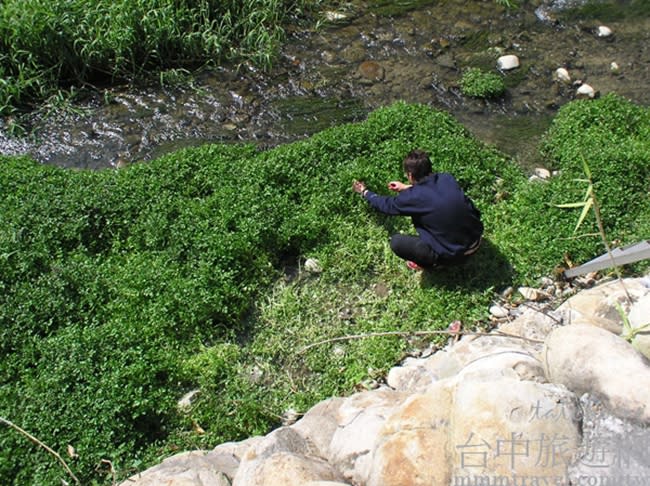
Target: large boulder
[(283, 457), (599, 305), (320, 423), (463, 429), (195, 468), (360, 419), (505, 427), (412, 446), (285, 469), (587, 359)]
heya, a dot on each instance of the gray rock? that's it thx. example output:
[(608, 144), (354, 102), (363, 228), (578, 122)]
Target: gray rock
[(285, 469), (498, 311), (587, 359), (612, 448), (312, 265), (320, 423), (283, 451), (195, 468), (598, 305), (360, 419)]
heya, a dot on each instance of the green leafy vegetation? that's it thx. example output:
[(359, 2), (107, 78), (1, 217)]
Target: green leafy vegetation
[(122, 290), (479, 84), (48, 45), (608, 10)]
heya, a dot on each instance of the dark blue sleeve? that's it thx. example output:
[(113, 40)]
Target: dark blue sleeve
[(406, 203)]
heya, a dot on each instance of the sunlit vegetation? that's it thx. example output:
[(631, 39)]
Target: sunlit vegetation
[(121, 290), (480, 84), (50, 45)]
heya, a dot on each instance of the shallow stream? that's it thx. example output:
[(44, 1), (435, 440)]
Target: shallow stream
[(368, 55)]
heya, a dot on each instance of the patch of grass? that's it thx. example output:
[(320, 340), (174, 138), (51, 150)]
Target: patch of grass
[(122, 290), (480, 84), (48, 46)]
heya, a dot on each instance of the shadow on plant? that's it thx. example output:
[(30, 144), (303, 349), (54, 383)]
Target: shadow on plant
[(487, 268)]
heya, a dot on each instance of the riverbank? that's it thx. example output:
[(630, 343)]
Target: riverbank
[(207, 269), (526, 403), (361, 61)]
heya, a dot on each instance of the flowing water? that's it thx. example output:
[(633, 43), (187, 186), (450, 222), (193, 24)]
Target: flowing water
[(369, 55)]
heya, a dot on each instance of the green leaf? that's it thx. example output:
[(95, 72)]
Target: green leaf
[(583, 214), (571, 205)]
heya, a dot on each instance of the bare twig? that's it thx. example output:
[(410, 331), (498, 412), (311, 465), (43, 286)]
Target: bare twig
[(44, 446), (416, 333), (111, 469)]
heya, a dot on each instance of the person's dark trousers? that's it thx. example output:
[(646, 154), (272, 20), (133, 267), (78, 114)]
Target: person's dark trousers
[(412, 248)]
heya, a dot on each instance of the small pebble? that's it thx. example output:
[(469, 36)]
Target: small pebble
[(604, 31), (313, 266), (586, 91), (508, 62), (562, 75), (498, 311)]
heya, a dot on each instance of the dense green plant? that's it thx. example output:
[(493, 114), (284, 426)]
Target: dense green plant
[(480, 84), (121, 290), (607, 10), (47, 45)]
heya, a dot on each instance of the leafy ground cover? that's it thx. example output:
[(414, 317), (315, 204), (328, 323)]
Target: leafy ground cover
[(479, 84), (121, 290)]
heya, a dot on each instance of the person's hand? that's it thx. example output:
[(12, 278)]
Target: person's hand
[(397, 186), (359, 187)]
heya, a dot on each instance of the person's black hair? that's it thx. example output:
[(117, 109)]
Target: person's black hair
[(418, 164)]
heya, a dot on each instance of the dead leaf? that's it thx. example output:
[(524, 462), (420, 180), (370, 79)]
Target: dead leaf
[(71, 452)]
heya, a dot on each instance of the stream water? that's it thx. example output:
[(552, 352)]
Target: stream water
[(369, 55)]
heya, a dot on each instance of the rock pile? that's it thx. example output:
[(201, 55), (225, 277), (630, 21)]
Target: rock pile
[(550, 397)]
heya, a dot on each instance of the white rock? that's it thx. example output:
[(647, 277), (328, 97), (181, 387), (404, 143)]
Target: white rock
[(586, 91), (603, 31), (185, 403), (614, 68), (508, 62), (319, 424), (285, 469), (507, 293), (498, 311), (598, 305), (313, 266), (325, 483), (186, 469), (542, 173), (333, 16), (530, 293), (588, 359), (562, 75), (360, 419), (546, 281)]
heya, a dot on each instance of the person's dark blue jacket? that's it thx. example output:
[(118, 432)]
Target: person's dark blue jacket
[(444, 217)]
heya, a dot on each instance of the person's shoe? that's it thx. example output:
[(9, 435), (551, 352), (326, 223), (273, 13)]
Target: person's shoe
[(414, 266)]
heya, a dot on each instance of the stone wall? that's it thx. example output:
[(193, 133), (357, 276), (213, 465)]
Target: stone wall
[(550, 397)]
